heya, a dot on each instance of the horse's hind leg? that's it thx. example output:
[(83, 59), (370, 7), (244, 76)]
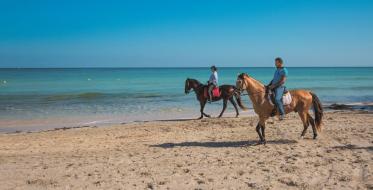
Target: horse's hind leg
[(259, 133), (304, 117), (224, 107), (260, 129), (313, 126), (234, 105)]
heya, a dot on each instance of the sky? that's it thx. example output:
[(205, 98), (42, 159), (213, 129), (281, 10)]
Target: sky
[(185, 33)]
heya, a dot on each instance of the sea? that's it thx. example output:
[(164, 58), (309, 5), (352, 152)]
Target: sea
[(49, 98)]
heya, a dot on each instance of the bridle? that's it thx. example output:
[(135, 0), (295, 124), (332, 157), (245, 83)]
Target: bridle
[(191, 89), (243, 82)]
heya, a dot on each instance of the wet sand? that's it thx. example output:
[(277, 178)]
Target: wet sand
[(193, 154)]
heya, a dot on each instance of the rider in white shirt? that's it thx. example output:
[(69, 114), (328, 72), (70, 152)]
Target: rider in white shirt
[(213, 81)]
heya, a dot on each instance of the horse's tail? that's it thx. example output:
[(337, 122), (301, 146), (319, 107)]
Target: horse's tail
[(237, 95), (318, 110)]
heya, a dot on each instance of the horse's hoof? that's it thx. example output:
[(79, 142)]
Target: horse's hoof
[(264, 142), (301, 137), (208, 116), (200, 118), (314, 137), (237, 116), (219, 116)]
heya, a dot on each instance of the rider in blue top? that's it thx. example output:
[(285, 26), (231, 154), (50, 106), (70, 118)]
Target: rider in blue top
[(278, 85)]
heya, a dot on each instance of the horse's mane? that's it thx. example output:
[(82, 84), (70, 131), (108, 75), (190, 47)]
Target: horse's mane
[(242, 76), (195, 80)]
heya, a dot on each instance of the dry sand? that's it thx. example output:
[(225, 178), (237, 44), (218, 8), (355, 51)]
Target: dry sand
[(197, 154)]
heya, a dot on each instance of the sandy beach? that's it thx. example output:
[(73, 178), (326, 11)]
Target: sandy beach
[(193, 154)]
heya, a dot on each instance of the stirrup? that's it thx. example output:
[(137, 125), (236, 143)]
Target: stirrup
[(274, 111)]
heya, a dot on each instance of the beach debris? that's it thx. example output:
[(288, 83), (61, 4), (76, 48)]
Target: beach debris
[(340, 107), (350, 107)]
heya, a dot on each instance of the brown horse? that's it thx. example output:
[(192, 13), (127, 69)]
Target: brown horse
[(302, 100), (227, 93)]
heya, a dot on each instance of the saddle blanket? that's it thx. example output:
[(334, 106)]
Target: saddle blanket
[(215, 92)]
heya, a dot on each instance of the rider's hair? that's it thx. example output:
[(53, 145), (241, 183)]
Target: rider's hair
[(279, 60), (214, 68)]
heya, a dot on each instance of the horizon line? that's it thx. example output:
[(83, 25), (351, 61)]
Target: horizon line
[(161, 67)]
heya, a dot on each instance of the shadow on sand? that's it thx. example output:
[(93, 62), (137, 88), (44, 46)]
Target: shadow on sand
[(166, 120), (353, 147), (187, 119), (220, 144), (190, 119)]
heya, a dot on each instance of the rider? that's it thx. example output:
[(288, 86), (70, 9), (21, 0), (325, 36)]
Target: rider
[(278, 85), (213, 81)]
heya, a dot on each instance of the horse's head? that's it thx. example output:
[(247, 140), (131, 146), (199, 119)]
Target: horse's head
[(187, 86), (240, 82), (191, 84)]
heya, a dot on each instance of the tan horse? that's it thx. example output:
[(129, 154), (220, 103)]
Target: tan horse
[(302, 100)]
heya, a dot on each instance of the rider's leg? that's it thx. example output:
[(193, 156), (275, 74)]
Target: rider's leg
[(279, 92), (211, 87)]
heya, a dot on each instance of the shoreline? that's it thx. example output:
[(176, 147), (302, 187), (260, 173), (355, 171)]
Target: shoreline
[(332, 108)]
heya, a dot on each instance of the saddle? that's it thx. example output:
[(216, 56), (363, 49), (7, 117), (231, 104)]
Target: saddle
[(286, 98), (215, 92)]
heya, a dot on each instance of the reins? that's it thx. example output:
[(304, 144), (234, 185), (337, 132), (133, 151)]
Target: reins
[(257, 92), (197, 88), (239, 90)]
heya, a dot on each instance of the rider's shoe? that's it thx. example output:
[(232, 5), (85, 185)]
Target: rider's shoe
[(282, 117)]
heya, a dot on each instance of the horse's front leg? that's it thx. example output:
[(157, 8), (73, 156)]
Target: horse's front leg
[(206, 115), (225, 101), (203, 103), (202, 106)]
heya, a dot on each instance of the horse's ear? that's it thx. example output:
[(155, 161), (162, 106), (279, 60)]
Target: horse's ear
[(240, 75)]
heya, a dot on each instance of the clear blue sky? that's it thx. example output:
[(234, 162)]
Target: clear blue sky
[(186, 33)]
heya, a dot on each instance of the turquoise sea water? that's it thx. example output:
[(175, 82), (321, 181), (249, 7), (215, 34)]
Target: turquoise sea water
[(46, 98)]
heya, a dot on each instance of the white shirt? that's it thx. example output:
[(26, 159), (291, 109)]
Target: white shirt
[(214, 78)]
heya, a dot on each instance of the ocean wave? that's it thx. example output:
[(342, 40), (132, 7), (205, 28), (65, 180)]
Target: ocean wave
[(86, 96), (97, 95), (60, 97), (341, 88)]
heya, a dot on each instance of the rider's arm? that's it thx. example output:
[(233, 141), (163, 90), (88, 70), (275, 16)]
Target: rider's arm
[(270, 83), (281, 82), (211, 79)]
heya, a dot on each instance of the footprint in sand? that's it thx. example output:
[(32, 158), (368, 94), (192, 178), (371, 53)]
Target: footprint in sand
[(280, 133)]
